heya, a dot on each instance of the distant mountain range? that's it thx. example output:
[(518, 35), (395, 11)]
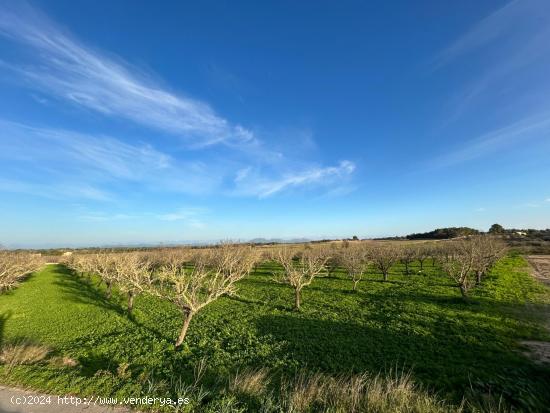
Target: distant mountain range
[(158, 244), (278, 240)]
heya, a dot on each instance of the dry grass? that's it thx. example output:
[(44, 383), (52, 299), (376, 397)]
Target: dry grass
[(63, 361), (122, 371), (23, 352), (250, 382), (361, 393), (364, 393)]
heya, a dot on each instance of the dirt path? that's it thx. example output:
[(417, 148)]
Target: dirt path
[(23, 401), (540, 269)]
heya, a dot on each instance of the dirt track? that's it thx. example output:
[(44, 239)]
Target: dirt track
[(540, 269)]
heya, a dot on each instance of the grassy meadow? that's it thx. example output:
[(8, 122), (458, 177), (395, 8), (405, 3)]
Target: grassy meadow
[(459, 354)]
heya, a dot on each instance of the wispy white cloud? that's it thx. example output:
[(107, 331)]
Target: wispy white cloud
[(61, 67), (56, 190), (96, 160), (514, 16), (190, 216), (534, 204), (101, 217), (536, 127), (499, 52), (90, 161), (97, 152), (67, 69), (529, 205), (317, 176), (242, 173)]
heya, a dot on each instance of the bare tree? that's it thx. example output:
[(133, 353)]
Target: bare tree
[(383, 258), (132, 274), (82, 264), (488, 250), (434, 254), (407, 254), (191, 284), (103, 264), (299, 270), (354, 260), (332, 254), (422, 253), (458, 263), (15, 266)]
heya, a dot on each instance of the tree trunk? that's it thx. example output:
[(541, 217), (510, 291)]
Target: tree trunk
[(478, 277), (406, 268), (130, 301), (463, 291), (385, 275), (297, 299), (421, 265), (108, 293), (355, 282), (188, 316)]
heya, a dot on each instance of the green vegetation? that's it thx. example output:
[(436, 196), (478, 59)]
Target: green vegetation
[(412, 323), (445, 233)]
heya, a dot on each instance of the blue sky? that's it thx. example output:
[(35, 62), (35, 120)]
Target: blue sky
[(131, 121)]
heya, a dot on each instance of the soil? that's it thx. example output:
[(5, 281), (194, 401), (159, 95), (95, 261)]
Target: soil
[(539, 351)]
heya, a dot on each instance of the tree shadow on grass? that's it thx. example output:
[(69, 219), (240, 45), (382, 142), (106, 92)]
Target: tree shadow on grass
[(93, 363), (381, 280), (106, 352), (416, 297), (27, 277), (81, 291), (24, 279), (439, 359), (246, 300), (264, 272), (473, 304), (260, 282), (3, 318)]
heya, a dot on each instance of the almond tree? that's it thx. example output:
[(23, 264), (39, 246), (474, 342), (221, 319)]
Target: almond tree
[(458, 263), (422, 253), (191, 284), (103, 264), (14, 267), (299, 270), (132, 274), (407, 255), (434, 253), (441, 252), (354, 260), (488, 250), (383, 258), (81, 263), (333, 255)]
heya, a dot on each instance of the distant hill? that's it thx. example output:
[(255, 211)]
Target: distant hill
[(445, 233), (278, 241)]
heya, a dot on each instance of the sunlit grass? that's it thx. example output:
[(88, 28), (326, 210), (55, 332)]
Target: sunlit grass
[(417, 324)]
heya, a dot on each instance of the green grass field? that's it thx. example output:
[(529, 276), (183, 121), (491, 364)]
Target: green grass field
[(415, 323)]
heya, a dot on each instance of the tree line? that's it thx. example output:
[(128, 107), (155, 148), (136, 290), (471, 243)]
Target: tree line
[(193, 278), (14, 266)]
